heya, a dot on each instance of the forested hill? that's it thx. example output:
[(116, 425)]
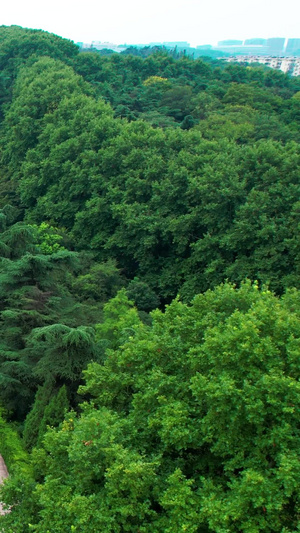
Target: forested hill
[(126, 182)]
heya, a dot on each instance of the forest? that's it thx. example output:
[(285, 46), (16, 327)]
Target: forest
[(149, 284)]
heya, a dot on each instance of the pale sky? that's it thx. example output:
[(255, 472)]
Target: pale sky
[(134, 21)]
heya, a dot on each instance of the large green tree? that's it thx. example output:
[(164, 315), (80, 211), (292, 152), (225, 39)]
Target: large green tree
[(57, 175), (37, 92), (18, 44), (193, 426)]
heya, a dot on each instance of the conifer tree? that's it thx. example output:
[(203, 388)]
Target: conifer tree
[(36, 414), (54, 412), (35, 304)]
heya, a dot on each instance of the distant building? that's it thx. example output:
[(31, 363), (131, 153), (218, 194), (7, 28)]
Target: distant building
[(98, 45), (255, 42), (229, 42), (271, 47), (293, 47), (296, 69), (289, 65), (251, 47), (275, 46), (179, 44)]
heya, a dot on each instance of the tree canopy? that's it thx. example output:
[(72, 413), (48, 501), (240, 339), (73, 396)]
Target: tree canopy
[(193, 425), (149, 278)]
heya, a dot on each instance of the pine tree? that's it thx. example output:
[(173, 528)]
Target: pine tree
[(36, 414), (33, 296)]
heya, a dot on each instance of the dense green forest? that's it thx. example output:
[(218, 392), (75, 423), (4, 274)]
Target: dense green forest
[(149, 283)]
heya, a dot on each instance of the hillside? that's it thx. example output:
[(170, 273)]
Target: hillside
[(149, 278)]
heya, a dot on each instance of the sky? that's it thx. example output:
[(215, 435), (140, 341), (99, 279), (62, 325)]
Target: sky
[(133, 21)]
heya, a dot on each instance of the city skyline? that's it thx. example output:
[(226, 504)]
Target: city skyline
[(165, 20), (255, 46)]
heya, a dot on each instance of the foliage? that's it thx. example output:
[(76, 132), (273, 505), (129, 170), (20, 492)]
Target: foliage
[(12, 450), (60, 352), (119, 321), (36, 413), (174, 201), (48, 409), (144, 298), (49, 238), (101, 283), (18, 46), (37, 92), (193, 425), (153, 80), (36, 304), (126, 179)]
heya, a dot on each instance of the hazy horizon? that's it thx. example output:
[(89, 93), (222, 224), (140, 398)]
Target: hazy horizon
[(167, 20)]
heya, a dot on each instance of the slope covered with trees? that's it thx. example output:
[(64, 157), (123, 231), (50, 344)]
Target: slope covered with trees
[(126, 182)]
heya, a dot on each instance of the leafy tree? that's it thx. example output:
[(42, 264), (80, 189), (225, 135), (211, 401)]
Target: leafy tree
[(19, 44), (37, 92), (119, 319), (158, 119), (142, 295), (22, 46), (178, 101), (253, 96), (50, 238), (193, 425), (187, 123), (16, 458), (20, 469), (101, 283), (58, 174), (157, 80), (153, 201)]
